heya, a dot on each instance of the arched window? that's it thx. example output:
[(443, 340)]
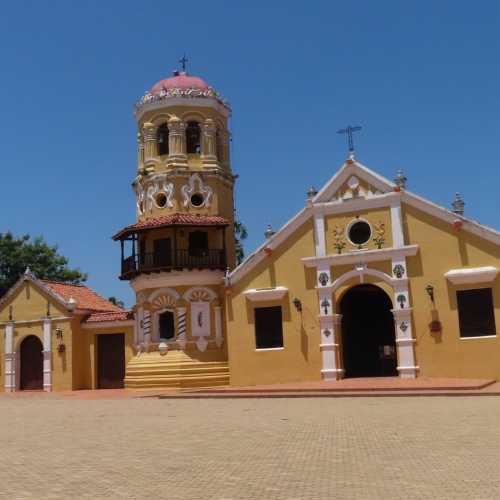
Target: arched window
[(162, 139), (193, 138), (166, 325)]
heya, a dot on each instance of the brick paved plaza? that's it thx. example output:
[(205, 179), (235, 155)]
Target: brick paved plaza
[(362, 448)]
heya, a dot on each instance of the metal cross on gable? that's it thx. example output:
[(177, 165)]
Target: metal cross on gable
[(348, 131), (183, 60)]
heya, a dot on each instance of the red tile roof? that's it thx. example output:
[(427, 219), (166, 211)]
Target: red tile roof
[(102, 317), (85, 297), (172, 220)]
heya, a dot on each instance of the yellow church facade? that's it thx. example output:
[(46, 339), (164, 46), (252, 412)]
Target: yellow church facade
[(367, 280)]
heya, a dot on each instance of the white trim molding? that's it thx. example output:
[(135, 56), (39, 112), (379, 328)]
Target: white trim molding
[(468, 276), (357, 256), (262, 294), (177, 278)]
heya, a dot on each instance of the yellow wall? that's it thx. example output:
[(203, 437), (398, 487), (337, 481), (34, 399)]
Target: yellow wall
[(300, 358), (441, 249)]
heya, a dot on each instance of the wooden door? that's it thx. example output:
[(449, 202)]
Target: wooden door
[(31, 364), (110, 361)]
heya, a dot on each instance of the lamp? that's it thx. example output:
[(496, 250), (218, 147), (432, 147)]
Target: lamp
[(298, 304), (430, 291)]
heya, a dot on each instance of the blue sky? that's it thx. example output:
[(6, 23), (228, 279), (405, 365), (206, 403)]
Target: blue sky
[(421, 77)]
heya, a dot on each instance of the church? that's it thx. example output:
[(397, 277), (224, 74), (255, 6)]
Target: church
[(367, 280)]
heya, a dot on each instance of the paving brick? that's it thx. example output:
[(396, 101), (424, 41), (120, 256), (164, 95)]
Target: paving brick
[(273, 449)]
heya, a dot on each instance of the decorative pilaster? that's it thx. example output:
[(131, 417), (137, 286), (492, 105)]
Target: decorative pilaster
[(47, 354), (218, 326), (10, 358), (405, 343), (177, 140), (329, 325), (140, 150), (146, 329), (181, 327), (150, 146), (209, 149)]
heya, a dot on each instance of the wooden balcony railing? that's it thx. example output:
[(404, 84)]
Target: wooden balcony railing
[(178, 259)]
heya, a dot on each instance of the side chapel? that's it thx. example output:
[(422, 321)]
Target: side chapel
[(367, 280)]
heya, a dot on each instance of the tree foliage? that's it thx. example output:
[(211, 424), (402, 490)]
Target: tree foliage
[(240, 234), (16, 254), (116, 302)]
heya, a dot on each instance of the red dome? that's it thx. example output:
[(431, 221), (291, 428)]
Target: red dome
[(180, 81)]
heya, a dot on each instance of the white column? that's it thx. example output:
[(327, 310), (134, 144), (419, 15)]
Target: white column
[(329, 323), (138, 326), (10, 359), (47, 354), (398, 239), (146, 329), (319, 234), (218, 326), (405, 343), (181, 327)]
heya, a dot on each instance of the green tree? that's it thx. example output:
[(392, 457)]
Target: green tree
[(240, 234), (116, 302), (16, 254)]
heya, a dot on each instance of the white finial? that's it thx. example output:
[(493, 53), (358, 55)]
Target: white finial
[(71, 303)]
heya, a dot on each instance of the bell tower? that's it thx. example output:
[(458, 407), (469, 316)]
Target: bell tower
[(177, 252)]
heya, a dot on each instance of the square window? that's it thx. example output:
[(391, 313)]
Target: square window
[(476, 316), (268, 327)]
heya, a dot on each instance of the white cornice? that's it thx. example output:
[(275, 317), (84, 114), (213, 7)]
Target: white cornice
[(263, 294), (361, 256), (472, 275), (177, 278), (192, 102), (442, 213), (273, 242), (356, 204)]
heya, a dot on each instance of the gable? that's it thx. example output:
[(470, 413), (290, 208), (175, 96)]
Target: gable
[(356, 188), (30, 302)]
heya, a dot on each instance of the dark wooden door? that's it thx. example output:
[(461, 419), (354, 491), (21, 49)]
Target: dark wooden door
[(31, 364), (110, 361)]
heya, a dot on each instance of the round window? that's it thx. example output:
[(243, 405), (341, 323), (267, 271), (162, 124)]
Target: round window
[(197, 200), (161, 200), (360, 232)]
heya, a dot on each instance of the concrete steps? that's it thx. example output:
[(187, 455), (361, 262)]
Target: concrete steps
[(177, 369)]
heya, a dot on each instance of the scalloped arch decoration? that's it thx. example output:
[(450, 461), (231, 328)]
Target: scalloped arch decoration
[(199, 294), (163, 302)]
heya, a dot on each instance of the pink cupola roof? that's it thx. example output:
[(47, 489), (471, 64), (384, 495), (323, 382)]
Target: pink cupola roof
[(180, 80)]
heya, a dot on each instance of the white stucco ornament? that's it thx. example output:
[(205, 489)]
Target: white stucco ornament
[(163, 348), (196, 185)]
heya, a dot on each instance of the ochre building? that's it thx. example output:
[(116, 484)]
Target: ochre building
[(367, 280)]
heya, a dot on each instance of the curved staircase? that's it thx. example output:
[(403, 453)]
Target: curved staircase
[(177, 369)]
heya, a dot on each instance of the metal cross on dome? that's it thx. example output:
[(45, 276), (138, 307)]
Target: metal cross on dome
[(183, 60), (348, 131)]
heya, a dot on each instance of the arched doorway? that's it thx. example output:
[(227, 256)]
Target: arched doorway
[(31, 364), (368, 333)]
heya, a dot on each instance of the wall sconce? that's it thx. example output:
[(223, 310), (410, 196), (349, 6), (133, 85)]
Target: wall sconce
[(430, 292), (59, 335), (298, 304)]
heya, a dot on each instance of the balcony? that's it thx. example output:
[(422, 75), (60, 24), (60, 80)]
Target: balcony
[(177, 259)]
